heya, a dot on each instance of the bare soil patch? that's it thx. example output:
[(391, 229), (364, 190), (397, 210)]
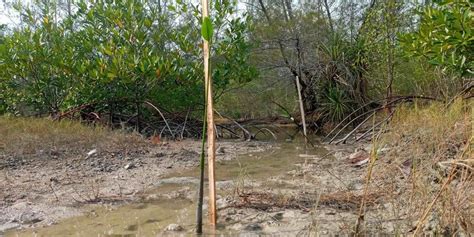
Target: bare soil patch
[(50, 171)]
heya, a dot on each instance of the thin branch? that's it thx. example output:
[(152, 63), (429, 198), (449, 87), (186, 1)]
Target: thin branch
[(162, 116)]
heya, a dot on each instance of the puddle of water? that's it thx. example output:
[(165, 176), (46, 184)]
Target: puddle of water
[(151, 217)]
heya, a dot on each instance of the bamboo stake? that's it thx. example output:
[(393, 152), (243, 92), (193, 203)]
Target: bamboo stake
[(211, 145), (303, 119)]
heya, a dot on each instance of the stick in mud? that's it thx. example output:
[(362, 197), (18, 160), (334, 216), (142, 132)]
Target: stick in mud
[(206, 32), (303, 119)]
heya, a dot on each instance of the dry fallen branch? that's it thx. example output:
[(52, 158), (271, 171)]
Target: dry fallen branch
[(468, 164), (263, 130), (447, 181), (343, 140), (290, 117), (376, 125), (393, 102), (162, 116), (184, 125), (344, 200), (343, 122), (248, 135)]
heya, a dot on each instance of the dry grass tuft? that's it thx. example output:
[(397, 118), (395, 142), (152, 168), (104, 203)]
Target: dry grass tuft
[(349, 200), (342, 200), (265, 201), (31, 137), (268, 201), (427, 144)]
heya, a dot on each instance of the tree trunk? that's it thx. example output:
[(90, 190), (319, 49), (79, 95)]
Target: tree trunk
[(69, 5), (328, 12), (389, 25), (297, 70), (302, 111)]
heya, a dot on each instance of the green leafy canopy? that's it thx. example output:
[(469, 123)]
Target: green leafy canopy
[(119, 50), (444, 37)]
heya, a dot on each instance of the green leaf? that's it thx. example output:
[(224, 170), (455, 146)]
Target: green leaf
[(110, 75), (171, 8), (108, 52), (148, 23), (207, 30)]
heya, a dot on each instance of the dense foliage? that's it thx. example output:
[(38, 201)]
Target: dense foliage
[(350, 53), (444, 36), (114, 55), (118, 54)]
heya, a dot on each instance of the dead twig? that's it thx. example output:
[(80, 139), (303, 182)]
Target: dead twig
[(262, 130), (248, 136), (184, 125), (421, 221), (353, 120), (53, 191), (448, 180), (394, 100), (373, 159), (354, 130), (287, 112), (349, 116), (162, 116), (230, 131), (376, 125)]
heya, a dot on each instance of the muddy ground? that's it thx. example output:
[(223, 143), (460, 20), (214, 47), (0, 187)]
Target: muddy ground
[(40, 191), (271, 188)]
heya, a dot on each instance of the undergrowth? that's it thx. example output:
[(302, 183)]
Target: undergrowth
[(427, 143), (38, 136)]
